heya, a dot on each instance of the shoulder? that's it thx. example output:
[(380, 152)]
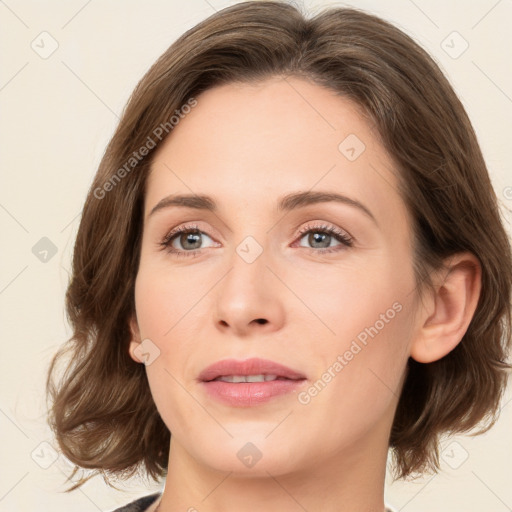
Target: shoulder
[(139, 505)]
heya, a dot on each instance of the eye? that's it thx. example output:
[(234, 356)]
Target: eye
[(184, 241), (324, 239), (187, 241)]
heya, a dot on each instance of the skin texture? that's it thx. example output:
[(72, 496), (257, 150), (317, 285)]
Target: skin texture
[(247, 146)]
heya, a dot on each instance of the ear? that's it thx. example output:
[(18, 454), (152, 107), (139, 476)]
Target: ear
[(135, 339), (449, 310)]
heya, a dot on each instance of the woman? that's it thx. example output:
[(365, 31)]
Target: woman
[(292, 259)]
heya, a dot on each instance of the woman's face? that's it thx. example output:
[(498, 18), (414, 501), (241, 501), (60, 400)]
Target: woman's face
[(261, 275)]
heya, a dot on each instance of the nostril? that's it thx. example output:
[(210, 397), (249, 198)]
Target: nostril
[(261, 321)]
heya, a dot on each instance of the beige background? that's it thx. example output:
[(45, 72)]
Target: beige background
[(58, 112)]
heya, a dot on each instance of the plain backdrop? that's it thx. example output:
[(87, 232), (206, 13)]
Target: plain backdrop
[(67, 69)]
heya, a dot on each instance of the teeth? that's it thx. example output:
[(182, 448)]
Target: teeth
[(246, 378)]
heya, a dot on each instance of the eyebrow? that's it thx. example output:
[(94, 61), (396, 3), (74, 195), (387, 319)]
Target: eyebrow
[(286, 203)]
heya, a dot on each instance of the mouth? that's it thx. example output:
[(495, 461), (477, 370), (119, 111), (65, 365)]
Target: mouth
[(249, 383)]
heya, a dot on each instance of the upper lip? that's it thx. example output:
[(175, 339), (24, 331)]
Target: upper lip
[(254, 366)]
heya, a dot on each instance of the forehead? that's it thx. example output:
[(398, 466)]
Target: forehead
[(252, 142)]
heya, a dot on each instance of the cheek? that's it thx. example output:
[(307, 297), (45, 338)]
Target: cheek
[(355, 299), (357, 382), (163, 296), (165, 300), (359, 360)]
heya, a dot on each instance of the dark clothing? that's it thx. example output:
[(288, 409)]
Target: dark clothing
[(139, 505), (143, 503)]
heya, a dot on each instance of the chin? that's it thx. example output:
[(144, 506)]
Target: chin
[(248, 456)]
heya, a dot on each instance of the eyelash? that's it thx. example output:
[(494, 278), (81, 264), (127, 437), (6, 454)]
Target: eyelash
[(341, 236)]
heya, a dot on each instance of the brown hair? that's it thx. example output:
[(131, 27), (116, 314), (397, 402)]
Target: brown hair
[(102, 411)]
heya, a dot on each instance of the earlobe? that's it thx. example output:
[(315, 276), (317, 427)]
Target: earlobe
[(135, 339), (452, 308)]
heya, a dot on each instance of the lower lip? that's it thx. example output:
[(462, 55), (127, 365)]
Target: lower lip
[(247, 394)]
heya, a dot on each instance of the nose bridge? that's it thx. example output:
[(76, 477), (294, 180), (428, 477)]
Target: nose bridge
[(251, 242), (247, 294), (248, 274)]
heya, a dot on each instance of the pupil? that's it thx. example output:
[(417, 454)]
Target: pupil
[(321, 238), (193, 238)]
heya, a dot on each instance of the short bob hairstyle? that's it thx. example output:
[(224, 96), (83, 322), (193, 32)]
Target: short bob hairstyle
[(102, 411)]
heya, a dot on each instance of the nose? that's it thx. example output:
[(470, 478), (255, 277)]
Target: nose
[(249, 299)]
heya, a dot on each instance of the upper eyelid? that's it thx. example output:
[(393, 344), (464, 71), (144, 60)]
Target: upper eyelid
[(307, 226), (323, 225), (185, 227)]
